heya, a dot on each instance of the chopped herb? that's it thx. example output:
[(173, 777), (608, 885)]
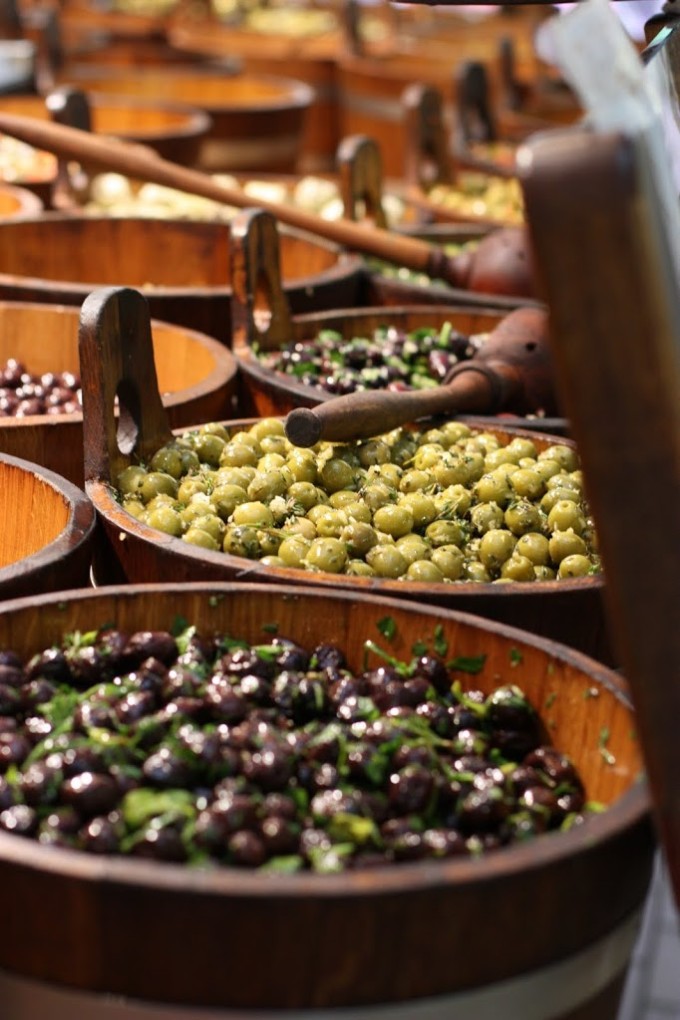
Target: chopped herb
[(401, 667), (440, 644), (602, 744), (467, 663), (270, 628), (419, 648), (387, 627), (179, 625), (139, 806), (550, 700), (516, 657), (287, 865)]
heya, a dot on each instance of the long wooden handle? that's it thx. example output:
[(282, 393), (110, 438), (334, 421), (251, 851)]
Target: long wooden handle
[(360, 415), (138, 162)]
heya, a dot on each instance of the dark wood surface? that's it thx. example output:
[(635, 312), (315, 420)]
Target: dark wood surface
[(615, 302), (197, 377), (47, 530), (381, 936)]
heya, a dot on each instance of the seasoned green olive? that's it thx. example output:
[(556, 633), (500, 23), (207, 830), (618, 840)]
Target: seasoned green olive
[(375, 451), (134, 507), (527, 483), (474, 570), (378, 494), (327, 554), (243, 436), (241, 540), (225, 499), (413, 547), (293, 550), (254, 514), (274, 444), (201, 538), (426, 571), (493, 488), (566, 514), (166, 519), (518, 568), (305, 495), (302, 465), (342, 498), (188, 488), (131, 480), (421, 507), (393, 519), (330, 523), (553, 496), (546, 468), (267, 484), (301, 526), (565, 543), (211, 523), (575, 565), (454, 500), (387, 561), (210, 447), (266, 427), (446, 533), (495, 458), (522, 448), (157, 482), (564, 455), (237, 455), (359, 537), (214, 428), (358, 511), (523, 516), (452, 469), (449, 559), (169, 460), (495, 547), (337, 474), (359, 568), (416, 480), (534, 546), (485, 516)]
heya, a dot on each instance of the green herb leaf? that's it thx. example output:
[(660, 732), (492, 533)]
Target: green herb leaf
[(516, 657), (467, 663), (387, 627), (140, 806)]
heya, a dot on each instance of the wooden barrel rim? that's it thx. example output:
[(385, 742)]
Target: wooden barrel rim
[(346, 264), (79, 528), (629, 809), (27, 202), (225, 370)]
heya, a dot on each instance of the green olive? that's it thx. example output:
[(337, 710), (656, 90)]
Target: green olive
[(266, 427), (527, 483), (427, 457), (359, 537), (493, 488), (543, 572), (358, 511), (455, 431), (293, 551), (518, 568), (534, 546), (337, 474), (421, 507), (255, 514), (134, 507), (157, 482), (495, 458), (575, 565), (270, 542), (522, 448), (566, 514), (274, 444), (209, 448), (214, 428), (416, 480), (342, 498), (387, 561), (425, 571), (169, 460), (393, 519), (450, 560), (237, 455), (565, 543), (188, 487), (330, 523), (523, 516), (446, 533), (167, 519), (242, 436), (474, 570), (564, 455), (484, 516), (301, 526), (377, 494), (271, 462), (272, 561), (225, 499), (553, 496), (454, 500), (131, 480), (452, 469), (211, 523), (546, 468), (201, 538), (302, 465), (266, 485), (304, 494), (359, 568), (375, 451), (413, 547), (241, 540), (326, 554), (495, 547), (241, 476)]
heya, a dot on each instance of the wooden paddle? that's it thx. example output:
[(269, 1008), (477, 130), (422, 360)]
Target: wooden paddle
[(612, 283), (512, 371), (500, 265)]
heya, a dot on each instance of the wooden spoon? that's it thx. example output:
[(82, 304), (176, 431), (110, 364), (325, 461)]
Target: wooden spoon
[(512, 371), (505, 253)]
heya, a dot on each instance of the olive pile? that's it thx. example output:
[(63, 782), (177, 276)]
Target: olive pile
[(441, 505), (477, 194), (216, 752), (389, 358), (23, 393)]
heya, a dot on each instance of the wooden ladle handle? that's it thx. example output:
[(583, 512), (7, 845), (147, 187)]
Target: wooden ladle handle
[(117, 367), (474, 388)]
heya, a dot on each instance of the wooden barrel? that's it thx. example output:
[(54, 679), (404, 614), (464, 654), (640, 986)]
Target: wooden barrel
[(569, 610), (173, 130), (257, 120), (197, 377), (47, 529), (541, 929), (182, 268), (18, 201), (310, 59)]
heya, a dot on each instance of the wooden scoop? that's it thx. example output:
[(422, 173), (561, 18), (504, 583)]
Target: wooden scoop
[(511, 372), (506, 251)]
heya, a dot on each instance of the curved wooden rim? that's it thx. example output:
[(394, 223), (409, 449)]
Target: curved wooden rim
[(629, 810), (198, 122), (101, 492), (225, 369), (78, 529), (28, 203), (346, 265)]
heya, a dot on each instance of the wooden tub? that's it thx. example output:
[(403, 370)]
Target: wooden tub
[(569, 610), (257, 119), (197, 377), (182, 268), (541, 929), (47, 529), (173, 130)]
